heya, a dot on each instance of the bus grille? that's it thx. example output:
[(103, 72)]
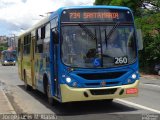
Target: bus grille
[(103, 92), (98, 84), (100, 76)]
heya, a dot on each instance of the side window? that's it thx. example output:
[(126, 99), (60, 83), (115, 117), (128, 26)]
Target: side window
[(47, 38), (27, 44), (54, 23), (43, 32), (40, 35), (47, 30), (55, 35), (24, 47)]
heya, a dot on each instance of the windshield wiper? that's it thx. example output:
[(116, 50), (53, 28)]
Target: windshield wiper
[(89, 32), (110, 32)]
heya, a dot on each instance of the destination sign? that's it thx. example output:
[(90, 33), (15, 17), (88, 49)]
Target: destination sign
[(89, 15), (94, 15)]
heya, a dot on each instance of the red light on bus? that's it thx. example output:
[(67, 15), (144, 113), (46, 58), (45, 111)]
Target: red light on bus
[(131, 90)]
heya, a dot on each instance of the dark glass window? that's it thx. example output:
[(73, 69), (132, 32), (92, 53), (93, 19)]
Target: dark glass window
[(40, 35), (27, 44)]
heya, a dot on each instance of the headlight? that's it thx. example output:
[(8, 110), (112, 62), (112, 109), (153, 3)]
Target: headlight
[(5, 61), (68, 80), (131, 79), (134, 76), (14, 61), (71, 81)]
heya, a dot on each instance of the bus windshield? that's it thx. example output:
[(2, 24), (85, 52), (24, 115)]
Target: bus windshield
[(9, 55), (102, 46), (97, 38)]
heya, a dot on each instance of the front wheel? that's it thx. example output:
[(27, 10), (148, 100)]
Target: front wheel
[(48, 93), (51, 101)]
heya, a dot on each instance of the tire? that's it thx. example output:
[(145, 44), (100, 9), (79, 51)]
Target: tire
[(48, 94), (50, 99), (27, 87)]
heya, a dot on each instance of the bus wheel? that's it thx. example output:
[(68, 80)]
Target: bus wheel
[(27, 87), (48, 93)]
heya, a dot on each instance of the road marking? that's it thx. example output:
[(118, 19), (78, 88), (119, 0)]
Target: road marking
[(140, 106), (150, 85)]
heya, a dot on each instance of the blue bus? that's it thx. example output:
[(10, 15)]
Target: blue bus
[(82, 53), (8, 57)]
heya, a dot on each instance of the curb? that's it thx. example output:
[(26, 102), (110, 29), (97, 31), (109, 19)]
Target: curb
[(9, 104)]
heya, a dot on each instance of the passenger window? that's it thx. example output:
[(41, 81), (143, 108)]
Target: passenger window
[(47, 32), (54, 23), (40, 34), (43, 32), (27, 44)]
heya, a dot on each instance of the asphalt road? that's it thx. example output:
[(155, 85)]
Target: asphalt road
[(146, 105)]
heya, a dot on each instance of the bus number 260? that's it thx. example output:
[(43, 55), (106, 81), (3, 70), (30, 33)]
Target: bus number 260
[(120, 60)]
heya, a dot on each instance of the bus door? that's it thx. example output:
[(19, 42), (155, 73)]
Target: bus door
[(55, 65), (33, 61)]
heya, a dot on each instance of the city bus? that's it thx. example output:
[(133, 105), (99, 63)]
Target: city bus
[(66, 55), (8, 57)]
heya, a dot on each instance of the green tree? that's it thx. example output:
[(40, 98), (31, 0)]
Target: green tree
[(102, 2), (150, 25), (135, 5), (1, 48)]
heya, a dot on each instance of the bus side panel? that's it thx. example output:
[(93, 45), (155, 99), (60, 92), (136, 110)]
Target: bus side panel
[(27, 68), (38, 71)]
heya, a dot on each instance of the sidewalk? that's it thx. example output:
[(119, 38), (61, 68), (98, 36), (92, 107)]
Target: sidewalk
[(147, 76), (5, 105)]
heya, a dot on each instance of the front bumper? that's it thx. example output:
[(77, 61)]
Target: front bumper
[(9, 63), (70, 94)]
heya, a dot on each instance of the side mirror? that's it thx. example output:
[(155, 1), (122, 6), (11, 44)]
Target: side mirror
[(55, 36), (139, 39)]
